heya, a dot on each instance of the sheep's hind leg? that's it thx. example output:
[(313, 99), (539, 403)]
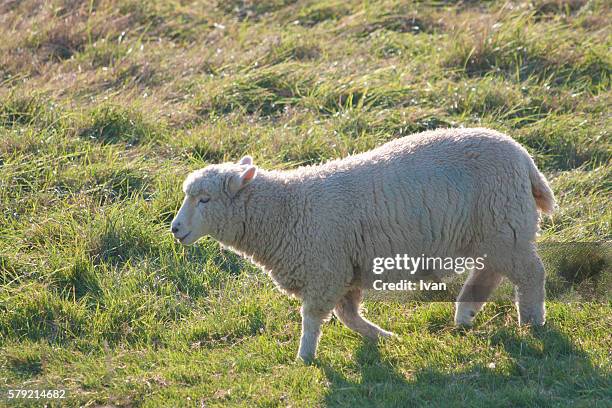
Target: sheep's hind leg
[(523, 267), (347, 310), (529, 279), (474, 294)]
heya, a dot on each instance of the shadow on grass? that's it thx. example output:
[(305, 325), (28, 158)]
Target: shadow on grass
[(546, 369)]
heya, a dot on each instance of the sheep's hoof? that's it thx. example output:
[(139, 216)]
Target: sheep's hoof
[(306, 360), (464, 318), (464, 324), (387, 334), (532, 316), (533, 322)]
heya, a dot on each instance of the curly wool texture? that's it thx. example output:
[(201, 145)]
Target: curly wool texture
[(450, 192), (446, 192)]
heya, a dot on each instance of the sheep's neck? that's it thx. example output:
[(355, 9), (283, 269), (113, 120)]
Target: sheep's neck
[(270, 217)]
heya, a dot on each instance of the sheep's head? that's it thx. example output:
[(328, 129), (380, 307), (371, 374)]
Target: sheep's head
[(210, 206)]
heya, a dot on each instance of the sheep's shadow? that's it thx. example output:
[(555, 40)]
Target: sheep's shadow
[(546, 369)]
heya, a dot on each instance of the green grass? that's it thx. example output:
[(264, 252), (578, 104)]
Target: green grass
[(106, 105)]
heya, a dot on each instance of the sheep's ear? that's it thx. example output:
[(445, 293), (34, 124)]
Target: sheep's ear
[(246, 160), (237, 183)]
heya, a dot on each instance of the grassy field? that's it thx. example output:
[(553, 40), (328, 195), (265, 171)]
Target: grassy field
[(106, 105)]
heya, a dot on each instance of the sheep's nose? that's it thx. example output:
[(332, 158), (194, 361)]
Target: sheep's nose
[(174, 230)]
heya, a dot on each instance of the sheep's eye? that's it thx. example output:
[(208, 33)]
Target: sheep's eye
[(204, 200)]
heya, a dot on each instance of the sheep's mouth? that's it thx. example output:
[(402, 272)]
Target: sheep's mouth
[(183, 237)]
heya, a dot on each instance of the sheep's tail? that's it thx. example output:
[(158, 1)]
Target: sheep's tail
[(542, 193)]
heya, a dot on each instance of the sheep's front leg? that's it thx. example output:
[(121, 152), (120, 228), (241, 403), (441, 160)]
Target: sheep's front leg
[(312, 318)]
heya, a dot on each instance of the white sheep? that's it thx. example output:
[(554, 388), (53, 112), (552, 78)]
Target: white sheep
[(316, 230)]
